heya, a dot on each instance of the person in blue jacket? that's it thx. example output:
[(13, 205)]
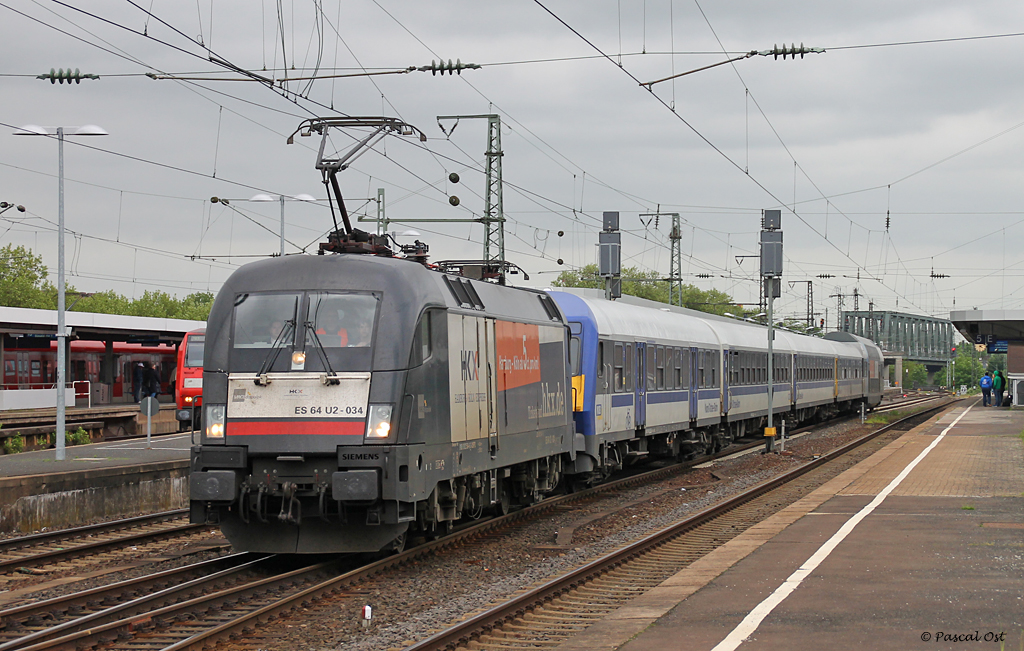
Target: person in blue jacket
[(986, 389)]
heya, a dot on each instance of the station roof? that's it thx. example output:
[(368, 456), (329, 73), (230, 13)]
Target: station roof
[(988, 326), (90, 325)]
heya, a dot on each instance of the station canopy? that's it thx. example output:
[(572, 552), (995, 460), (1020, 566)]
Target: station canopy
[(97, 327)]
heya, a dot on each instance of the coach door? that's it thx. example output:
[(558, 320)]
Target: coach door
[(641, 384), (726, 377), (491, 379)]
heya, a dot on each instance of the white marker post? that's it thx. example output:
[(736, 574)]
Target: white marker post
[(150, 407), (367, 616)]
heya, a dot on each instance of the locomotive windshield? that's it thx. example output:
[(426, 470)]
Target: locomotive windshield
[(261, 318), (335, 330), (194, 351), (342, 320)]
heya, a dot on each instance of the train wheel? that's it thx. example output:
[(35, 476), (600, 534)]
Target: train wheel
[(504, 503), (397, 546)]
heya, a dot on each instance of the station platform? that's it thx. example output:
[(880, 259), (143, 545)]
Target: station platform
[(94, 481), (920, 546)]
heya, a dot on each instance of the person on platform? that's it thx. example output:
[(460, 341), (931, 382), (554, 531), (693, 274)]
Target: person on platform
[(151, 381), (998, 386), (138, 374), (986, 389)]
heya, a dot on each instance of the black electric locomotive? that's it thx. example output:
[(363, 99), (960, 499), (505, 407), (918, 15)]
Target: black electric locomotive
[(350, 396)]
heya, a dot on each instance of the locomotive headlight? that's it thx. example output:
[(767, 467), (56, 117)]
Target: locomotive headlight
[(215, 421), (378, 425), (188, 399), (298, 360)]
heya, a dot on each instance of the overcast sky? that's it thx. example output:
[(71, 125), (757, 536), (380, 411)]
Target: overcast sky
[(925, 134)]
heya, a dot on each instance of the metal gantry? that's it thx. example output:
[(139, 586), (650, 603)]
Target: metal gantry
[(493, 217)]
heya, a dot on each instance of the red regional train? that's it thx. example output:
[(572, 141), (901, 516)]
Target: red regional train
[(188, 382), (30, 362)]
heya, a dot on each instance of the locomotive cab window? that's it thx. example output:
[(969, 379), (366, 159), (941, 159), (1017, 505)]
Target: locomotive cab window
[(262, 319), (342, 320), (194, 351), (421, 340)]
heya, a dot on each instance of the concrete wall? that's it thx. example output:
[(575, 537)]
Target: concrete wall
[(71, 499), (34, 398)]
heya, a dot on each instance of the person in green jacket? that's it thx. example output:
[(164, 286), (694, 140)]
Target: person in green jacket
[(998, 386)]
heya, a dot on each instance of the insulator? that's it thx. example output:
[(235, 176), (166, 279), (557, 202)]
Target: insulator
[(62, 75), (453, 200), (560, 261), (453, 177), (561, 233), (452, 68)]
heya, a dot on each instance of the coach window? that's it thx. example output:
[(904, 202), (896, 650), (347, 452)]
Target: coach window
[(686, 367), (619, 372), (716, 363), (650, 367), (574, 355), (661, 367), (600, 360), (629, 367)]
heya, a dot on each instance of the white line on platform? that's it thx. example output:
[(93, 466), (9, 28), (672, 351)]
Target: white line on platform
[(750, 623)]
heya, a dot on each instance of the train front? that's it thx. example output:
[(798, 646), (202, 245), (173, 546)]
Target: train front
[(304, 375)]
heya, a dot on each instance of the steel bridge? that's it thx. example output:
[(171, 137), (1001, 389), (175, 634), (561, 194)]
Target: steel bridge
[(913, 337)]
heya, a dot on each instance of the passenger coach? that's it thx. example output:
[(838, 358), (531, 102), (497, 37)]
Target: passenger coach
[(650, 378)]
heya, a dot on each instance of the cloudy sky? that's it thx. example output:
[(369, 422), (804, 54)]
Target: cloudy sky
[(894, 155)]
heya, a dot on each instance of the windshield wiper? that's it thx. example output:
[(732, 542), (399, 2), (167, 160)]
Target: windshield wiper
[(275, 351), (323, 354)]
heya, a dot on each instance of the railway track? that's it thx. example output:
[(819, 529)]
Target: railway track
[(57, 546), (197, 606), (544, 616)]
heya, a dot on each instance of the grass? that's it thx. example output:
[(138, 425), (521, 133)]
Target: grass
[(967, 507), (14, 444), (886, 417)]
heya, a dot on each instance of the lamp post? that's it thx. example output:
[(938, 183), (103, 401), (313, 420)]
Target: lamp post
[(282, 198), (60, 132)]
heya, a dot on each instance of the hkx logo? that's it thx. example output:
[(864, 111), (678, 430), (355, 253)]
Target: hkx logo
[(470, 365)]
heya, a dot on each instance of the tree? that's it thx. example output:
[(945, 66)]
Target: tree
[(916, 375), (967, 368), (23, 284), (647, 284), (23, 280)]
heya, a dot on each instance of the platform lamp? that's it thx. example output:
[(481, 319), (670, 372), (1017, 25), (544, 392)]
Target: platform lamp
[(282, 198), (60, 132)]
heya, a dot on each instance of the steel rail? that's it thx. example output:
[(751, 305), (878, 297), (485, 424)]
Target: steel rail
[(485, 622), (127, 627), (220, 570), (88, 549), (36, 539)]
